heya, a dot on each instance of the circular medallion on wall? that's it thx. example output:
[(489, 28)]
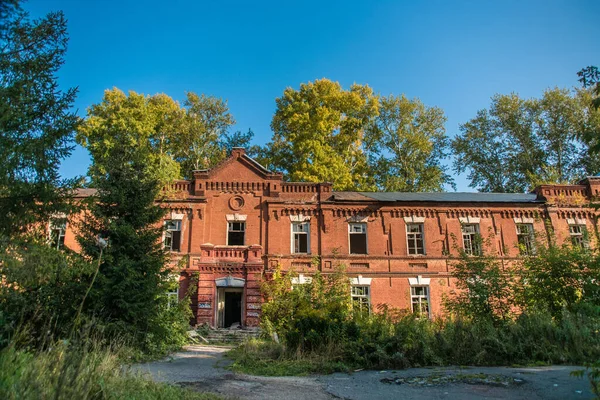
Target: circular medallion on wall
[(236, 203)]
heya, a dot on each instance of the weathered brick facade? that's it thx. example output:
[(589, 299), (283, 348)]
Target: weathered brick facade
[(242, 196)]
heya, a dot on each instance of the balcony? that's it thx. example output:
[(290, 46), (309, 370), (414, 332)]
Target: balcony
[(210, 253)]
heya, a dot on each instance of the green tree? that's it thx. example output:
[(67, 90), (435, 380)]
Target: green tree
[(590, 78), (406, 144), (561, 278), (318, 134), (518, 144), (201, 143), (36, 121), (128, 295), (144, 125)]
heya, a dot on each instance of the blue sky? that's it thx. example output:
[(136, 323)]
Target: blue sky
[(451, 54)]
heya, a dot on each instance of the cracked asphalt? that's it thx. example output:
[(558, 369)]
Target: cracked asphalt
[(202, 368)]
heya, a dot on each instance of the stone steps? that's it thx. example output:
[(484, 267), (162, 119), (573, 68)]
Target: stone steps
[(228, 336)]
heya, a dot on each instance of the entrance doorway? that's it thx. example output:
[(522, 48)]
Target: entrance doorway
[(230, 307)]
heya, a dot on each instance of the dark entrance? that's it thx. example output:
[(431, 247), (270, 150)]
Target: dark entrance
[(233, 308)]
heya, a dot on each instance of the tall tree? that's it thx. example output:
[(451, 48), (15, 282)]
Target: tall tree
[(127, 292), (318, 134), (145, 125), (36, 121), (518, 144), (406, 145), (199, 145)]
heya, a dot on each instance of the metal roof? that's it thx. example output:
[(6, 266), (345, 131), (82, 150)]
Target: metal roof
[(450, 197)]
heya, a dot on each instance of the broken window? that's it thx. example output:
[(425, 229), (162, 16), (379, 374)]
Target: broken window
[(235, 233), (526, 239), (579, 236), (57, 230), (172, 237), (300, 237), (419, 296), (358, 238), (361, 297), (414, 237), (471, 239)]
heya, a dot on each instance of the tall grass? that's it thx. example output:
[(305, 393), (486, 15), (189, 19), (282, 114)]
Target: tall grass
[(68, 371)]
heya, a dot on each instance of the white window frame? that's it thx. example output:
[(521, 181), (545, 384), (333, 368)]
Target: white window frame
[(229, 224), (61, 229), (362, 299), (412, 237), (365, 232), (577, 233), (528, 238), (293, 237), (474, 248), (173, 297), (166, 233), (420, 298)]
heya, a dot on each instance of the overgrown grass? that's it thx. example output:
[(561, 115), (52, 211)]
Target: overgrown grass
[(267, 358), (380, 343), (79, 372)]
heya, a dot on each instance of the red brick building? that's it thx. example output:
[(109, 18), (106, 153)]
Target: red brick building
[(231, 224)]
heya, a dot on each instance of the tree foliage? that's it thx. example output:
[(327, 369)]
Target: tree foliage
[(318, 134), (518, 144), (133, 123), (406, 144), (200, 144), (129, 293), (36, 121)]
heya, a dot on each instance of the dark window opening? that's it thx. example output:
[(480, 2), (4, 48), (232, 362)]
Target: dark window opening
[(358, 238), (300, 232), (235, 233), (172, 240)]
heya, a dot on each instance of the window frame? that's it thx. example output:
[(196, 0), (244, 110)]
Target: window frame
[(62, 232), (526, 248), (293, 237), (365, 233), (474, 246), (243, 230), (362, 299), (167, 234), (410, 234), (579, 239), (420, 298)]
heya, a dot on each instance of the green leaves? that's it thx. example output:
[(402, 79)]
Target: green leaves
[(518, 144), (357, 140), (406, 144), (36, 123), (318, 133)]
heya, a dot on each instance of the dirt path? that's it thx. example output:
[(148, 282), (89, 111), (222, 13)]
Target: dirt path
[(201, 368)]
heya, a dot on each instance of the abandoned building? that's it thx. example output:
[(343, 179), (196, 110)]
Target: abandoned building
[(230, 225)]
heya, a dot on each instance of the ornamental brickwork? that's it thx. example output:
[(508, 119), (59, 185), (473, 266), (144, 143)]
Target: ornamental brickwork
[(238, 221)]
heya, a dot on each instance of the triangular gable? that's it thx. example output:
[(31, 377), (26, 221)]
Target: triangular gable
[(238, 167)]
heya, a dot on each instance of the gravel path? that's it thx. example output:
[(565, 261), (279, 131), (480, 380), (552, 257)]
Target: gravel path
[(201, 368)]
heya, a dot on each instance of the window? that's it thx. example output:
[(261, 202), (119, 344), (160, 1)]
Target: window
[(173, 297), (58, 227), (579, 236), (419, 296), (361, 298), (414, 237), (235, 233), (526, 239), (172, 238), (358, 238), (471, 239), (300, 237)]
